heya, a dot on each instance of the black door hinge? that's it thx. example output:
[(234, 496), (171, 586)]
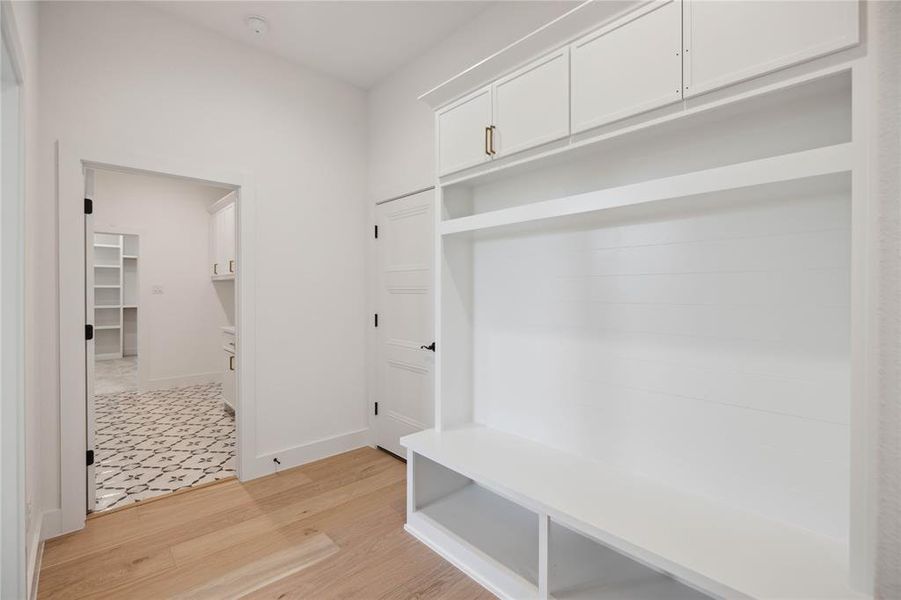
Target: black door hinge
[(89, 332), (88, 206), (376, 232), (90, 458), (376, 409), (376, 319)]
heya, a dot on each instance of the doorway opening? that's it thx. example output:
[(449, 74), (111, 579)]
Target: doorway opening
[(160, 271)]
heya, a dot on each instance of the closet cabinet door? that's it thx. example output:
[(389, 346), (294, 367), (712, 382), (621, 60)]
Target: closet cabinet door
[(462, 136), (531, 106), (726, 42), (628, 67), (227, 235), (215, 255)]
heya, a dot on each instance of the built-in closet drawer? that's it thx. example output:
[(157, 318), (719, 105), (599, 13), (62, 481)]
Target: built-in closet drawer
[(726, 42), (531, 105), (464, 131), (627, 67)]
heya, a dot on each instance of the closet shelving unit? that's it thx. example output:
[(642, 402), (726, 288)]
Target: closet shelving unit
[(115, 295), (651, 354)]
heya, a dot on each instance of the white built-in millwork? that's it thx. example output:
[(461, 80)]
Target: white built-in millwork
[(650, 314), (115, 294), (223, 248)]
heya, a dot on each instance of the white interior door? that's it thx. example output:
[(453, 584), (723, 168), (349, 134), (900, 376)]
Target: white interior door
[(405, 382), (89, 344)]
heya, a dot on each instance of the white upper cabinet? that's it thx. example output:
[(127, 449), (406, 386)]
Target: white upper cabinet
[(726, 42), (464, 132), (628, 67), (531, 105), (223, 260)]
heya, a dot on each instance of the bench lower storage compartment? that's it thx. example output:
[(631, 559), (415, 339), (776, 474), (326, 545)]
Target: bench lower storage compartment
[(500, 544)]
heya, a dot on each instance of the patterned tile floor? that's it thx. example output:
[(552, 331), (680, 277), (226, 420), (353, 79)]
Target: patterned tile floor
[(153, 443)]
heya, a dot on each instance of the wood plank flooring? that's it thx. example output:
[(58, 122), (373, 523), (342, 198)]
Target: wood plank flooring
[(330, 529)]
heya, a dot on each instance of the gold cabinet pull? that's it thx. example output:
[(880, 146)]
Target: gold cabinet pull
[(231, 362), (231, 266), (491, 140), (215, 268), (488, 141)]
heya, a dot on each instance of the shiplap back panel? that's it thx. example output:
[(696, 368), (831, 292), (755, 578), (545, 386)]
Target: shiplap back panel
[(707, 349)]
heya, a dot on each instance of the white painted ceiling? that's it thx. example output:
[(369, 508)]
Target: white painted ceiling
[(360, 42)]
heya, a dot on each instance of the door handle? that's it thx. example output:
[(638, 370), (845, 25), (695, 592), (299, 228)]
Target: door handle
[(491, 141), (231, 362), (488, 141), (429, 347), (231, 266), (215, 268)]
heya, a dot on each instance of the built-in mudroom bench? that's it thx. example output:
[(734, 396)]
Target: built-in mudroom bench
[(653, 295)]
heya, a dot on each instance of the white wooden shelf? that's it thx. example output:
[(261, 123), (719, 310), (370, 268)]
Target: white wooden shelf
[(129, 256), (106, 266), (711, 546), (129, 306), (103, 327), (106, 246), (107, 287), (107, 306), (798, 166)]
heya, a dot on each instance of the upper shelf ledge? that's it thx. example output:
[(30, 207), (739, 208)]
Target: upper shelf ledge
[(787, 167)]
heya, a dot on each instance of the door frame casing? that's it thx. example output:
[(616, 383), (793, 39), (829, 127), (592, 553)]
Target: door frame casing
[(14, 566), (71, 162)]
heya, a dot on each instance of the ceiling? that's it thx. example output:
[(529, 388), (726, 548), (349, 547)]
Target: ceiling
[(360, 42)]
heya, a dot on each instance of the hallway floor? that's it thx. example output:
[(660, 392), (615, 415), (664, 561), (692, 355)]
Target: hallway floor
[(116, 375), (329, 529), (153, 443)]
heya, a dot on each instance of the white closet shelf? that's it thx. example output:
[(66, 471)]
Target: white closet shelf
[(132, 256), (710, 545), (129, 306), (102, 327), (795, 167), (107, 246), (106, 266), (108, 287), (107, 306)]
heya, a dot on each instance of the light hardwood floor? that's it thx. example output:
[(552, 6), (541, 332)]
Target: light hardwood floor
[(330, 529)]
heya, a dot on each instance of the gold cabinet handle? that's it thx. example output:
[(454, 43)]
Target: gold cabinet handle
[(491, 140), (231, 362), (215, 268), (488, 140), (231, 266)]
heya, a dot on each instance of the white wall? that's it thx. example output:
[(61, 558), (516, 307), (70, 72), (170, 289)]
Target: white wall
[(26, 18), (179, 336), (124, 75), (402, 128)]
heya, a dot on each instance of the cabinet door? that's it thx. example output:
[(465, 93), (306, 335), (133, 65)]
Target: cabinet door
[(227, 235), (215, 265), (628, 67), (228, 380), (462, 139), (727, 42), (531, 106)]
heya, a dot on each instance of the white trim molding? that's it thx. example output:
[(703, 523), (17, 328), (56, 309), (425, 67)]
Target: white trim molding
[(72, 160), (264, 464)]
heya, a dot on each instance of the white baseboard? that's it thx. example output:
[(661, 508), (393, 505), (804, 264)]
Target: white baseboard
[(46, 527), (165, 383), (299, 455)]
